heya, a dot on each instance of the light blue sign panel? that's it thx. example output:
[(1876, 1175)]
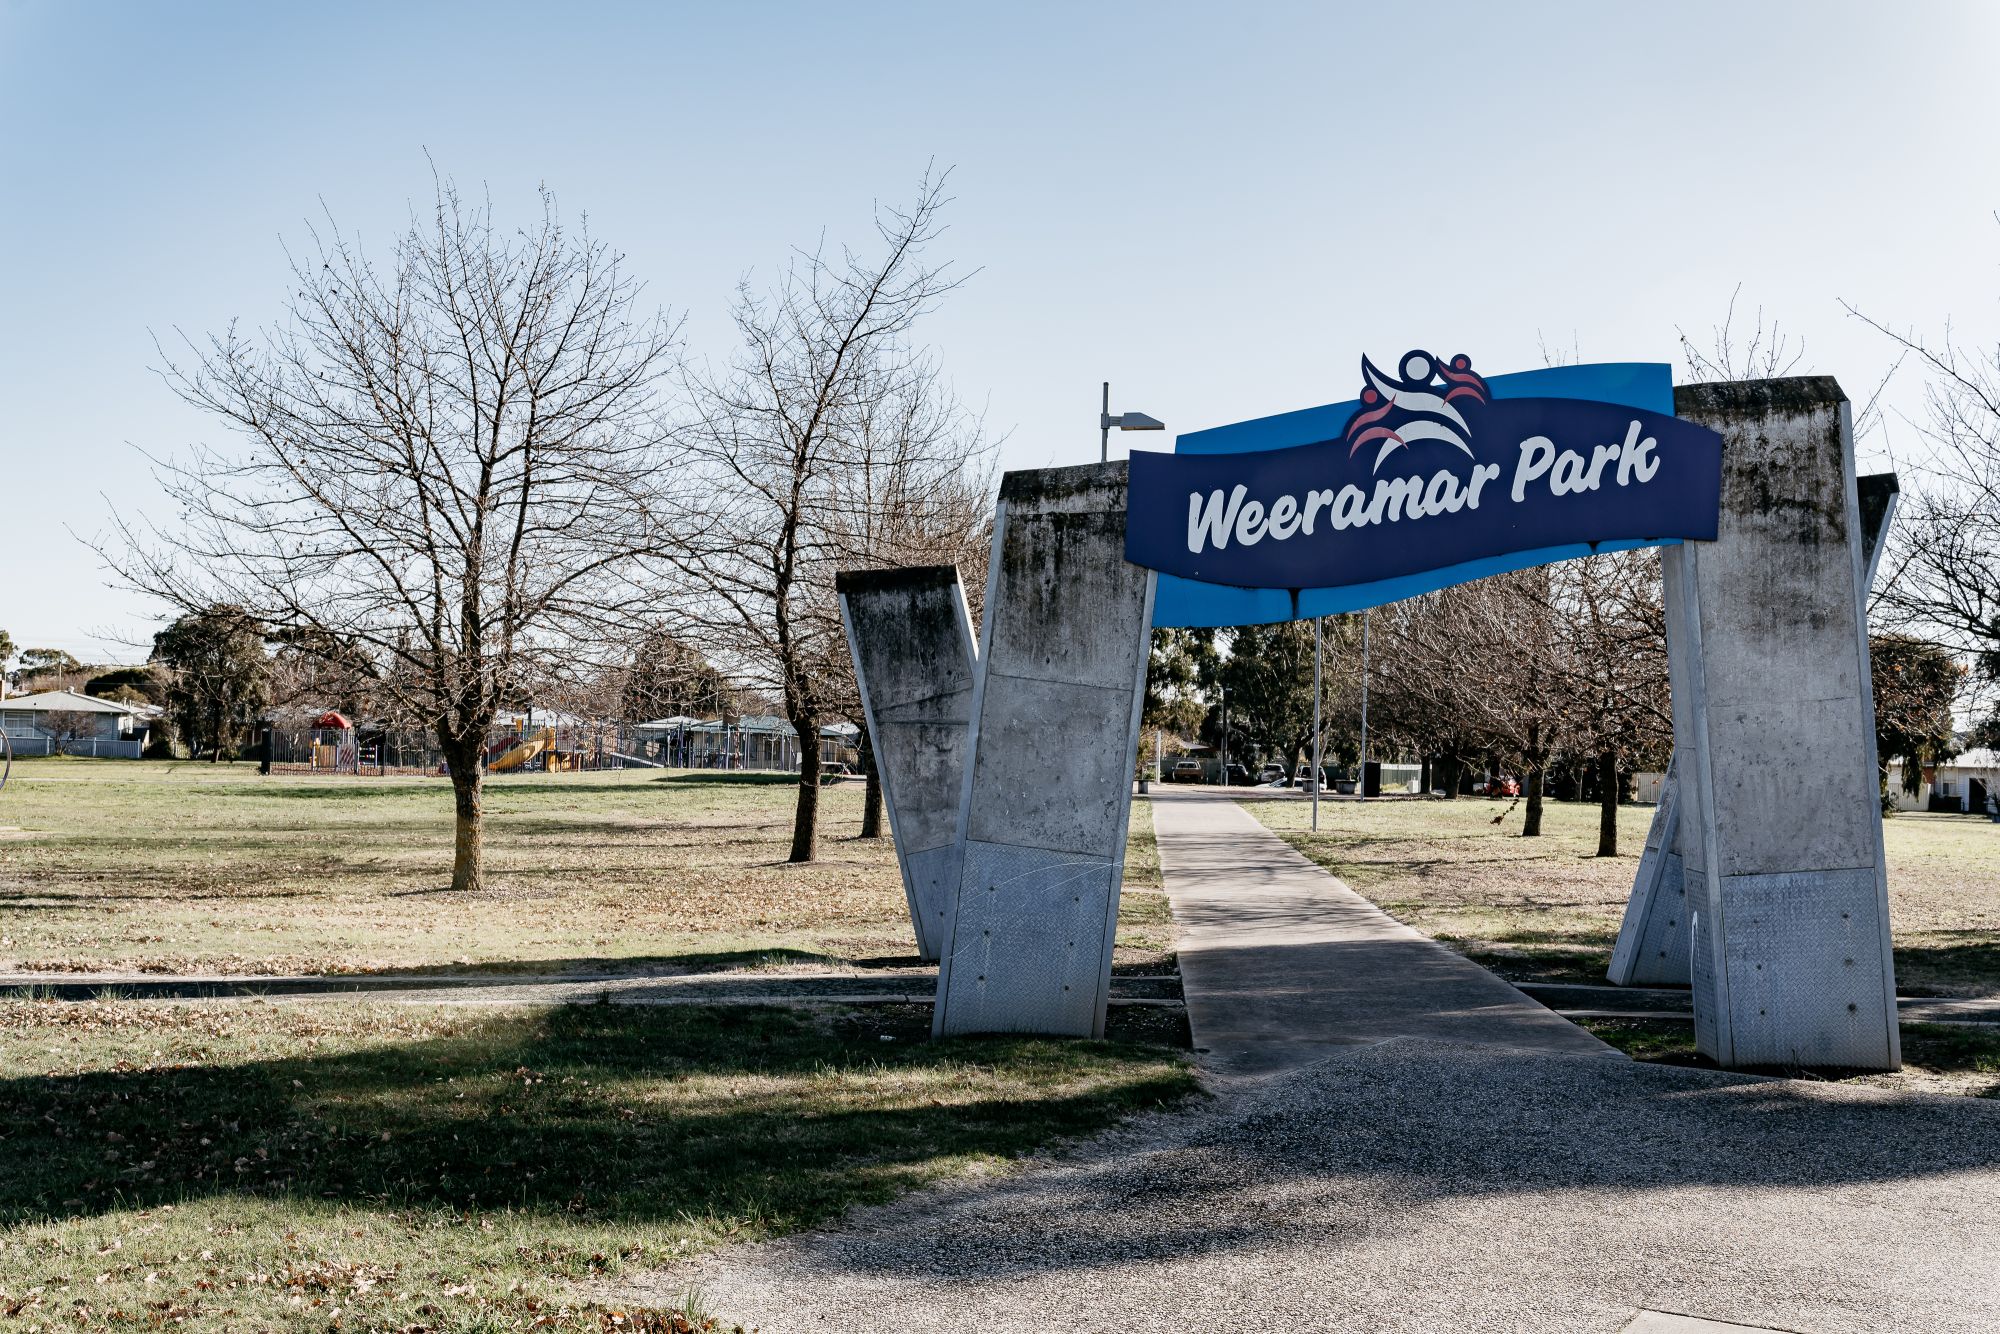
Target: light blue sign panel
[(1647, 386)]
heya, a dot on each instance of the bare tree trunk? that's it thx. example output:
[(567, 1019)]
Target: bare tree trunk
[(1531, 823), (461, 759), (871, 801), (1607, 808), (805, 819)]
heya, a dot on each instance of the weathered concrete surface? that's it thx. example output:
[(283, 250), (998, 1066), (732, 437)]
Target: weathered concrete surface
[(911, 638), (1773, 722), (1416, 1186), (1653, 940), (1055, 716), (1282, 965), (1655, 943)]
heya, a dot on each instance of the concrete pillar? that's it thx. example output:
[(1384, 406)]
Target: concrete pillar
[(1654, 941), (911, 637), (1774, 725), (1047, 792)]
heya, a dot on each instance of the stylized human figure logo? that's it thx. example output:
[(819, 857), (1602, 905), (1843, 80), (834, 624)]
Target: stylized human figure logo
[(1421, 403)]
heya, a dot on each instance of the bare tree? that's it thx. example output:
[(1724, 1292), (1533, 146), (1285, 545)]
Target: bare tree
[(447, 464), (830, 411), (63, 727), (1763, 353), (1940, 576)]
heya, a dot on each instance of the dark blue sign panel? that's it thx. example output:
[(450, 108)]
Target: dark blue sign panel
[(1433, 478)]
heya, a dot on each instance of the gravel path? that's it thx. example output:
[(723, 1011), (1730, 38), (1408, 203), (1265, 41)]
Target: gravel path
[(1418, 1185)]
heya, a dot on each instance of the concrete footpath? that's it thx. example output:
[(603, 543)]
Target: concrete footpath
[(1282, 965), (1402, 1142)]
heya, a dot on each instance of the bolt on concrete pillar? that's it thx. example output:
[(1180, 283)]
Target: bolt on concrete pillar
[(911, 637), (1781, 827), (1047, 789), (1654, 941)]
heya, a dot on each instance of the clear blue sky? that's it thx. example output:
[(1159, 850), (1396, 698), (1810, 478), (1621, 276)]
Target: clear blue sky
[(1218, 208)]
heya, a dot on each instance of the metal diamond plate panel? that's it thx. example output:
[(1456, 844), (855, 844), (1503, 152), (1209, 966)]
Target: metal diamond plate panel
[(1018, 904), (1803, 951), (1701, 976)]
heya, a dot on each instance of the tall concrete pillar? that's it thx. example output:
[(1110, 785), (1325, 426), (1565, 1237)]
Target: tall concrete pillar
[(1655, 939), (1775, 743), (1047, 790), (911, 637)]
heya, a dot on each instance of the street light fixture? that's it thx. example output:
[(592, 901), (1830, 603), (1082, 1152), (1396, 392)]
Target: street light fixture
[(1125, 421)]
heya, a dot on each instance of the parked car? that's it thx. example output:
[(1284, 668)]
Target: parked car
[(1237, 776), (1271, 773), (1184, 771)]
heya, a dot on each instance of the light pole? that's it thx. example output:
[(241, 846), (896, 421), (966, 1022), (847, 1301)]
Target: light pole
[(1364, 705), (1316, 695), (1126, 421), (1225, 735)]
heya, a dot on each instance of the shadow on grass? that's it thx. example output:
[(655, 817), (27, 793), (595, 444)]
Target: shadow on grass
[(584, 1112), (1968, 963), (696, 961)]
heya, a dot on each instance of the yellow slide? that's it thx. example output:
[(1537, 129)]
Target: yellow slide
[(524, 752)]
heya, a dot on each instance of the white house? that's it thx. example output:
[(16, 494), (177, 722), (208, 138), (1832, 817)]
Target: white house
[(39, 725), (1967, 783)]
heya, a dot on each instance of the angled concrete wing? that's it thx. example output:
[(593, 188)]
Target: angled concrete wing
[(1055, 719), (911, 637), (1652, 947)]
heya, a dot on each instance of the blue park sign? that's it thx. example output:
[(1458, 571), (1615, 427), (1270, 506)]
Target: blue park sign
[(1434, 476)]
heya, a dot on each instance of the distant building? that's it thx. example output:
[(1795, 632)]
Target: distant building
[(114, 730), (1971, 782)]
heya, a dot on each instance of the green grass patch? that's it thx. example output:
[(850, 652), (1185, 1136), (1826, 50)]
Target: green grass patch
[(242, 1165)]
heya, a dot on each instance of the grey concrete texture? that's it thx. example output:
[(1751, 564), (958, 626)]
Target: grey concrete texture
[(1281, 964), (1421, 1186), (911, 639), (1055, 713), (1653, 938), (1781, 835)]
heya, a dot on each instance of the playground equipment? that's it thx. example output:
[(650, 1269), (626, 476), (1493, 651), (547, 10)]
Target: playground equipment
[(527, 749)]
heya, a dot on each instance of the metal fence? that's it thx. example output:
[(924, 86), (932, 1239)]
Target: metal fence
[(104, 748)]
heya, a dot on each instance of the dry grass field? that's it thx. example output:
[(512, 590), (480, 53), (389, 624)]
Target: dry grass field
[(439, 1169), (1547, 909), (180, 868)]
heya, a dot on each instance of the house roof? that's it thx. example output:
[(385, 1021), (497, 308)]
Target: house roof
[(64, 701), (679, 720)]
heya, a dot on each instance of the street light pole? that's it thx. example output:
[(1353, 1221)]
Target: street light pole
[(1316, 693), (1124, 421), (1104, 427), (1364, 704), (1225, 735)]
